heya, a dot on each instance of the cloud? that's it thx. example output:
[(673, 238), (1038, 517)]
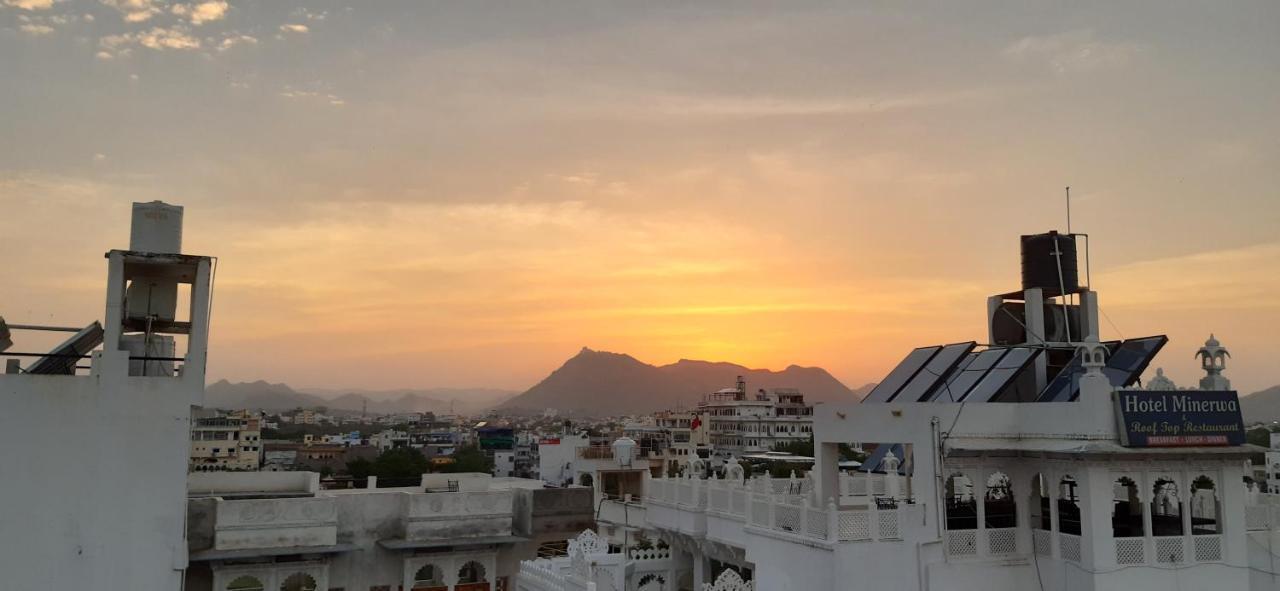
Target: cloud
[(199, 14), (234, 40), (332, 99), (134, 11), (36, 29), (1072, 51), (158, 38), (30, 4), (294, 28)]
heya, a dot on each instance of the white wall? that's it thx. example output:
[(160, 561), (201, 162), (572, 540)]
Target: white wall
[(94, 481)]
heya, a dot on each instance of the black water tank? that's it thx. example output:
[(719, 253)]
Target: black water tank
[(1040, 264)]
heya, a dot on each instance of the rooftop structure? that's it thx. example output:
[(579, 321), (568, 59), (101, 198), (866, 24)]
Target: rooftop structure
[(1030, 462), (456, 531), (101, 499)]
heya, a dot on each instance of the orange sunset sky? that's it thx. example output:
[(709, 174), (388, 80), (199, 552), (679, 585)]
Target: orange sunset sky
[(410, 194)]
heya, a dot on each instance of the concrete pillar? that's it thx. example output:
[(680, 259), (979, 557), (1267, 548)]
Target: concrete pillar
[(1034, 320), (1097, 550), (826, 470), (193, 368), (699, 570)]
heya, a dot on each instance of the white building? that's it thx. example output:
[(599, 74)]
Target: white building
[(231, 441), (1028, 464), (463, 532), (95, 463), (740, 424)]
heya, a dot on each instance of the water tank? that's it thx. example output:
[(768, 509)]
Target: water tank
[(157, 228), (1040, 258)]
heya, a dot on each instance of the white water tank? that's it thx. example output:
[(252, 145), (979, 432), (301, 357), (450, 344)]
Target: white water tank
[(157, 228)]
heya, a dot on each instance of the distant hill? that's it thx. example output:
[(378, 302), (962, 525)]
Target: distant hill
[(598, 383), (261, 395), (1261, 407)]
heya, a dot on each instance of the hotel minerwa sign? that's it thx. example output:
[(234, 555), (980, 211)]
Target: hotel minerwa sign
[(1157, 418)]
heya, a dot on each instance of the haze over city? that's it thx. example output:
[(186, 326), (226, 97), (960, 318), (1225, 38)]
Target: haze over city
[(409, 194)]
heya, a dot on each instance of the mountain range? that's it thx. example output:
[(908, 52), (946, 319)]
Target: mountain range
[(591, 383), (599, 383), (262, 395), (1262, 406)]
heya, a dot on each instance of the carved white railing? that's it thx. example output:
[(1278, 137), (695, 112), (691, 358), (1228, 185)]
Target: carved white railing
[(1002, 541), (1171, 549), (773, 504), (1131, 550), (1069, 547)]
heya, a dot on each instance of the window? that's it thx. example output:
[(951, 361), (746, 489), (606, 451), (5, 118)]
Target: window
[(1126, 510), (428, 578), (1068, 506), (1166, 508), (298, 582), (999, 504), (1204, 507), (471, 572), (962, 508)]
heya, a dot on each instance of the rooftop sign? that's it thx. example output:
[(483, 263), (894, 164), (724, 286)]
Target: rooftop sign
[(1172, 418)]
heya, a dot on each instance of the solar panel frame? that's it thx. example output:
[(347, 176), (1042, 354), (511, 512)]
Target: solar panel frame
[(62, 359), (1002, 374), (1122, 369), (964, 380), (902, 374), (933, 373)]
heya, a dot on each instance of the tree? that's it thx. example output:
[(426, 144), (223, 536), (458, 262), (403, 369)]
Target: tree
[(400, 462), (1260, 436), (360, 468), (470, 459)]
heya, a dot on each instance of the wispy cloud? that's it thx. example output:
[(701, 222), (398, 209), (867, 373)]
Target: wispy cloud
[(294, 28), (30, 4), (1073, 51), (134, 11), (158, 38), (332, 99), (236, 39), (202, 12), (36, 29)]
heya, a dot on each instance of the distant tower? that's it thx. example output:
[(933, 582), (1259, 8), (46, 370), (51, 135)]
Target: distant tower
[(1213, 359)]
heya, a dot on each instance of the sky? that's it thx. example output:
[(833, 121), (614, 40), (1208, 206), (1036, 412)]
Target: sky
[(412, 194)]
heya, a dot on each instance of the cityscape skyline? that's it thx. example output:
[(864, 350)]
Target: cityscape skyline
[(409, 195)]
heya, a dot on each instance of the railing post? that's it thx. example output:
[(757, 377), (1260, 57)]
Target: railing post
[(773, 503), (833, 521)]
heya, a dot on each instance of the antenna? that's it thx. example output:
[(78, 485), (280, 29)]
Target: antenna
[(1068, 210)]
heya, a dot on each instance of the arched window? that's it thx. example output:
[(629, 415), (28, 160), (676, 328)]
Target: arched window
[(651, 583), (1068, 506), (1126, 510), (1166, 508), (1204, 507), (585, 479), (1041, 517), (298, 582), (471, 572), (245, 583), (428, 578), (999, 504), (962, 508)]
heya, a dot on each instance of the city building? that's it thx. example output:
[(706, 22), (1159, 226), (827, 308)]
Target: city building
[(466, 532), (231, 441), (740, 424)]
